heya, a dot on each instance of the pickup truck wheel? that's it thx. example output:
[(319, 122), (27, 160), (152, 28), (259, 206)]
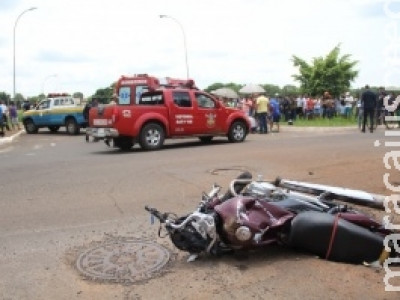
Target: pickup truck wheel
[(152, 137), (237, 132), (72, 126), (206, 139), (123, 143), (30, 127), (54, 128)]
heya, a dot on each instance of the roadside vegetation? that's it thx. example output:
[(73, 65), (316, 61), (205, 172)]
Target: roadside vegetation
[(337, 121)]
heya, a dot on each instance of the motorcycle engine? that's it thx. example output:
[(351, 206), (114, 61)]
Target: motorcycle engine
[(189, 240), (193, 233)]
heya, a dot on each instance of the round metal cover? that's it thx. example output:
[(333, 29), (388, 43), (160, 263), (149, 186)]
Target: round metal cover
[(123, 261)]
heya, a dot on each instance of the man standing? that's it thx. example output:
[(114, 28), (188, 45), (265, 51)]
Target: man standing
[(4, 109), (13, 113), (262, 104), (369, 102), (275, 113), (86, 110), (348, 105)]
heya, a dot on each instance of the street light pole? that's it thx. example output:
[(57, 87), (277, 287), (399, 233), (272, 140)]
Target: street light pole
[(184, 41), (15, 26)]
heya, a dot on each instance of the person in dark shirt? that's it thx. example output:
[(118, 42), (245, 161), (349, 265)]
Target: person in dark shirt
[(369, 102), (86, 110)]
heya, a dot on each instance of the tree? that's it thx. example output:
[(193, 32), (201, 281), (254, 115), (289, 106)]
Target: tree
[(218, 85), (334, 73), (271, 89), (35, 99), (4, 97), (214, 87), (104, 95), (19, 99), (290, 90), (78, 95), (41, 97)]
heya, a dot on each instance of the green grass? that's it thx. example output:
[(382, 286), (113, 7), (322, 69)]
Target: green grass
[(325, 122)]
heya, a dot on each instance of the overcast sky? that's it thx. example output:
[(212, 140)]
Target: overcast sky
[(83, 45)]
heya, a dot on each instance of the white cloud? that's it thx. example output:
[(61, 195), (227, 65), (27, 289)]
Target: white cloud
[(89, 44)]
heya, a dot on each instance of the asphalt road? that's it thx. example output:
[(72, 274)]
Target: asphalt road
[(60, 195)]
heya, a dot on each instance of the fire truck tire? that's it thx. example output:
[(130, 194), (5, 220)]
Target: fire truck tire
[(124, 143), (152, 136), (237, 132), (30, 127), (72, 126)]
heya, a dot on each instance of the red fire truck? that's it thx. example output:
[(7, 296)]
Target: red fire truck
[(149, 110)]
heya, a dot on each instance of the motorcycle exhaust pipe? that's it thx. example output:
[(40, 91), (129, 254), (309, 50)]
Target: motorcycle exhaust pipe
[(344, 194)]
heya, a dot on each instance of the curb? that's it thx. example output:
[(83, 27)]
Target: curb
[(9, 139), (319, 129)]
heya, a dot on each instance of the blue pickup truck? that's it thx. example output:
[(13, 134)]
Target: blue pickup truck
[(56, 111)]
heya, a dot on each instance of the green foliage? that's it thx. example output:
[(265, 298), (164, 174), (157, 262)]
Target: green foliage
[(103, 95), (214, 87), (18, 100), (78, 95), (337, 121), (290, 90), (334, 73), (271, 89), (234, 86), (34, 100), (5, 97)]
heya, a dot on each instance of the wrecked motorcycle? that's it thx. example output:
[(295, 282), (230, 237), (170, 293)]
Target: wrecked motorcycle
[(303, 216)]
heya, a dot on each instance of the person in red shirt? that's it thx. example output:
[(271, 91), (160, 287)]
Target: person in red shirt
[(310, 108)]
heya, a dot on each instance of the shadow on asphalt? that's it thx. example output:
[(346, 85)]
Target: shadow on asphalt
[(247, 259), (178, 145), (58, 133)]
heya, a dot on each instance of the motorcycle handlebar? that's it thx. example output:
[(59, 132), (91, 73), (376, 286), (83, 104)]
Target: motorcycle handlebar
[(153, 211), (233, 183)]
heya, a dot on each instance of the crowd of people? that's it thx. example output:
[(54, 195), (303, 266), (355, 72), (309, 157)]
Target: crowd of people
[(8, 118), (266, 112)]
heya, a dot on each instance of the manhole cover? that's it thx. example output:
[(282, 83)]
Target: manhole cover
[(123, 261)]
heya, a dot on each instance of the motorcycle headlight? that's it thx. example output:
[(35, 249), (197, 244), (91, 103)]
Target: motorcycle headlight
[(243, 233)]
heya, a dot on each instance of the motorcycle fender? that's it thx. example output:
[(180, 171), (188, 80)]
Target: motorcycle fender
[(334, 239)]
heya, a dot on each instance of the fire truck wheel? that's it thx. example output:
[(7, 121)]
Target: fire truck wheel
[(237, 132), (151, 137), (124, 143)]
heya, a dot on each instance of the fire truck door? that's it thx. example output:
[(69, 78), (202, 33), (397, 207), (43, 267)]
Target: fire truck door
[(206, 115), (182, 117)]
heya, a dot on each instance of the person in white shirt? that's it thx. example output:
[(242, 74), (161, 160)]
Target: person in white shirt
[(4, 110), (348, 105)]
